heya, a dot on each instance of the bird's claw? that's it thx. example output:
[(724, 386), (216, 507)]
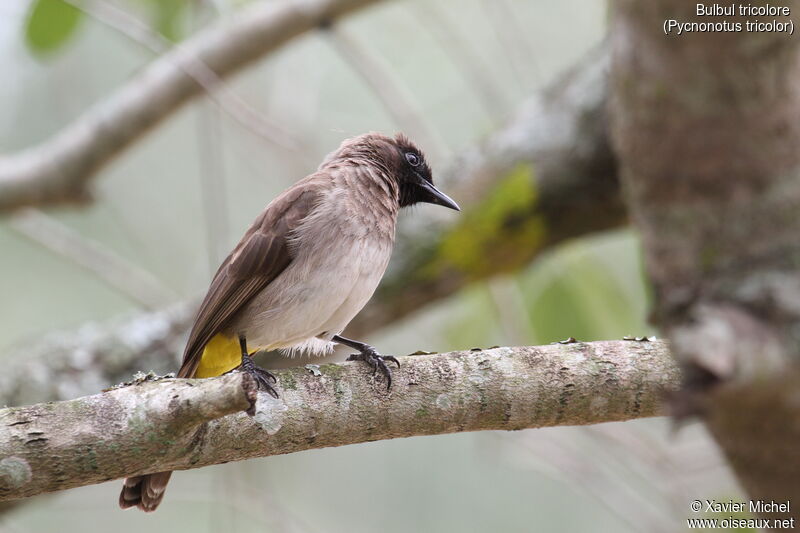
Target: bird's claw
[(377, 361), (264, 378)]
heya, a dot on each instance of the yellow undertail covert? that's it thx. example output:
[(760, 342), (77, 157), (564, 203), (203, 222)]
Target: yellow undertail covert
[(221, 354)]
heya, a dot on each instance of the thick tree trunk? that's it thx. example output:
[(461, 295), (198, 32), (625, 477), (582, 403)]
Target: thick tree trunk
[(707, 127)]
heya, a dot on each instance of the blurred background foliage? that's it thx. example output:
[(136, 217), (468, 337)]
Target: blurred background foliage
[(172, 206)]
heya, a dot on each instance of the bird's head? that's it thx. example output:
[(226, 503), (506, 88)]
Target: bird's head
[(402, 162), (414, 175)]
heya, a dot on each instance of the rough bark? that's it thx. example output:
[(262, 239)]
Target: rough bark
[(553, 155), (172, 424), (707, 127), (60, 169)]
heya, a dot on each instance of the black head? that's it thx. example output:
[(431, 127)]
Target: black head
[(400, 161), (414, 176)]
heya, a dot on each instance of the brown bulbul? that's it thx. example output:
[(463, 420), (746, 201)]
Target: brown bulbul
[(305, 267)]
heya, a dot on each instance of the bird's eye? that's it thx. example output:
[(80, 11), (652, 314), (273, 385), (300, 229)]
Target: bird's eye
[(412, 158)]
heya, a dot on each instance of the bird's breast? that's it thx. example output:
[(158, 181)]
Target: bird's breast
[(337, 263)]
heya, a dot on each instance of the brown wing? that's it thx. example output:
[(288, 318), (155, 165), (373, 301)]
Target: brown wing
[(260, 256)]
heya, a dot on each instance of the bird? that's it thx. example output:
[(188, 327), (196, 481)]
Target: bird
[(303, 270)]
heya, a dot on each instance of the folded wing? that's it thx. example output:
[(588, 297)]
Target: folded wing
[(261, 255)]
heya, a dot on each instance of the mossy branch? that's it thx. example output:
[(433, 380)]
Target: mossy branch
[(175, 424)]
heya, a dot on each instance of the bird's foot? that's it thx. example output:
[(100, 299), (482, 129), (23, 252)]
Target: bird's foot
[(377, 361), (264, 378)]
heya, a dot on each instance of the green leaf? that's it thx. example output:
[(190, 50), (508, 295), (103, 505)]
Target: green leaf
[(168, 18), (50, 24)]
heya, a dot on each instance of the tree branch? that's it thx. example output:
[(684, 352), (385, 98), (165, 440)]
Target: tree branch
[(60, 169), (117, 272), (64, 365), (398, 102), (558, 138), (549, 175), (161, 425)]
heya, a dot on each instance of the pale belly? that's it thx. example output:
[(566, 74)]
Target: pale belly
[(314, 298)]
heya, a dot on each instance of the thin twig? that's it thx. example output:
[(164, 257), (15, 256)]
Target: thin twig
[(59, 170), (519, 51), (399, 103), (212, 185), (227, 100), (114, 270), (476, 73)]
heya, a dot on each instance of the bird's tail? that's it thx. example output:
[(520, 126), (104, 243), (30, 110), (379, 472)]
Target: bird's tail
[(219, 356), (144, 492)]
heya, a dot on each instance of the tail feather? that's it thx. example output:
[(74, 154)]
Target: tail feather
[(144, 492), (219, 356)]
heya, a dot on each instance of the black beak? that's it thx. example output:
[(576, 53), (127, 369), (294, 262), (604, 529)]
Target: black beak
[(432, 195)]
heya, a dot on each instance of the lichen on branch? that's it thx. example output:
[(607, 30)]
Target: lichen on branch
[(177, 424)]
